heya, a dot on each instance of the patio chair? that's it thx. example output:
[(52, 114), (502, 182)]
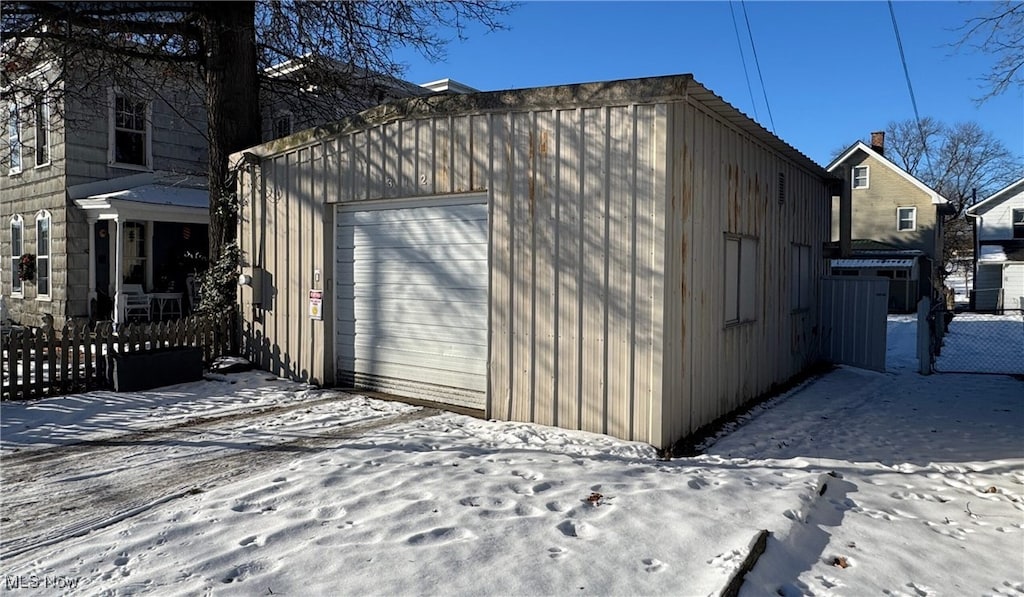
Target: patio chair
[(136, 302)]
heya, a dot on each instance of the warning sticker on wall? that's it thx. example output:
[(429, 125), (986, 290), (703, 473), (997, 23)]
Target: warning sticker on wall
[(316, 304)]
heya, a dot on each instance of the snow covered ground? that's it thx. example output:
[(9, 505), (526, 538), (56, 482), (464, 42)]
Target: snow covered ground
[(870, 483)]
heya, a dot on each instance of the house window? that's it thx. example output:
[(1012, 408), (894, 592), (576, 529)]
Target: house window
[(1018, 223), (860, 177), (740, 279), (14, 138), (43, 253), (129, 132), (906, 219), (282, 125), (800, 289), (42, 115), (135, 253), (17, 248)]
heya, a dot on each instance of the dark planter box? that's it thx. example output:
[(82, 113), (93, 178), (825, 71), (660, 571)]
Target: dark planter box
[(155, 368)]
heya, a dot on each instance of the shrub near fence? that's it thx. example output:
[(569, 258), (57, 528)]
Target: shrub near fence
[(45, 361)]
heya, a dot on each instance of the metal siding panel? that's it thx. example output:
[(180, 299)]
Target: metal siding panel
[(298, 251), (277, 266), (391, 159), (360, 164), (322, 229), (521, 172), (570, 255), (594, 365), (621, 270), (644, 274), (462, 154), (443, 158), (545, 278), (406, 176), (501, 272), (480, 147)]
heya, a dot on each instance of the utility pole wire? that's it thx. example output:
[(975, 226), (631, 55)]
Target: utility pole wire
[(758, 63), (743, 59), (910, 87)]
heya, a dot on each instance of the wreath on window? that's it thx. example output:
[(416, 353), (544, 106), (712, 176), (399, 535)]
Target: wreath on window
[(27, 267)]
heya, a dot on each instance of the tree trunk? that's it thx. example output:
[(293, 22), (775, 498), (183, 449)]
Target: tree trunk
[(232, 100)]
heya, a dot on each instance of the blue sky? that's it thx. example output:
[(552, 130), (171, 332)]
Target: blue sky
[(831, 70)]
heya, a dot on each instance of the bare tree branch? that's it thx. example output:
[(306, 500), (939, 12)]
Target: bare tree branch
[(338, 57), (1001, 34)]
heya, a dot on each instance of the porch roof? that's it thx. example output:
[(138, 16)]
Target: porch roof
[(872, 263), (154, 202)]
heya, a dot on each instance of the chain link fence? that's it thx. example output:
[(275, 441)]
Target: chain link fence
[(978, 342)]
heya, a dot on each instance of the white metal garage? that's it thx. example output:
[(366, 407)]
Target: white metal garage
[(411, 300)]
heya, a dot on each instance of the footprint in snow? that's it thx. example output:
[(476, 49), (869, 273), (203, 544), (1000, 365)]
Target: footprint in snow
[(556, 553), (556, 506), (519, 511), (829, 582), (528, 475), (653, 565), (578, 529), (722, 560), (920, 590), (697, 483), (440, 536), (489, 502)]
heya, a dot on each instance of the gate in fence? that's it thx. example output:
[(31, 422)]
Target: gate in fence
[(45, 361), (853, 320), (983, 343)]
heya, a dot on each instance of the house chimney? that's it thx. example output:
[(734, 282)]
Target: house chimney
[(878, 141)]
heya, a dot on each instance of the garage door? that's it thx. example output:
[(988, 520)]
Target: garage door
[(412, 299)]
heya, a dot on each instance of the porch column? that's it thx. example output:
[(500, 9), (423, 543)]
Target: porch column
[(92, 266), (119, 300)]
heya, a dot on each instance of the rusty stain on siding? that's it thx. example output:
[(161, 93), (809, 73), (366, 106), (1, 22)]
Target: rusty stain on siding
[(531, 173), (687, 198)]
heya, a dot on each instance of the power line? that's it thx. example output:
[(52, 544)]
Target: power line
[(743, 59), (757, 62), (910, 87)]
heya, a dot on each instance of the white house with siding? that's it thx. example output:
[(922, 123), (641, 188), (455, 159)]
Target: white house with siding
[(636, 257), (999, 249)]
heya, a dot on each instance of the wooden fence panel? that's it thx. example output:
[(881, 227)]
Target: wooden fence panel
[(44, 361)]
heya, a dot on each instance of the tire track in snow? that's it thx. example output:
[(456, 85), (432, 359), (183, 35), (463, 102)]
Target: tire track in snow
[(100, 500)]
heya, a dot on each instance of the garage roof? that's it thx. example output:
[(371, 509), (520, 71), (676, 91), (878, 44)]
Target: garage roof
[(623, 92)]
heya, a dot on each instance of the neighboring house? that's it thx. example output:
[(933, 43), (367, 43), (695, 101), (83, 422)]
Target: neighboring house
[(112, 191), (292, 98), (999, 250), (101, 188), (635, 257), (898, 220)]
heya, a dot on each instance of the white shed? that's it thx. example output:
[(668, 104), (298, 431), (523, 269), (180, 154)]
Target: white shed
[(999, 249), (636, 257)]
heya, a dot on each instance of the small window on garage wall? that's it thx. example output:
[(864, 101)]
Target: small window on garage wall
[(800, 288), (740, 279)]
